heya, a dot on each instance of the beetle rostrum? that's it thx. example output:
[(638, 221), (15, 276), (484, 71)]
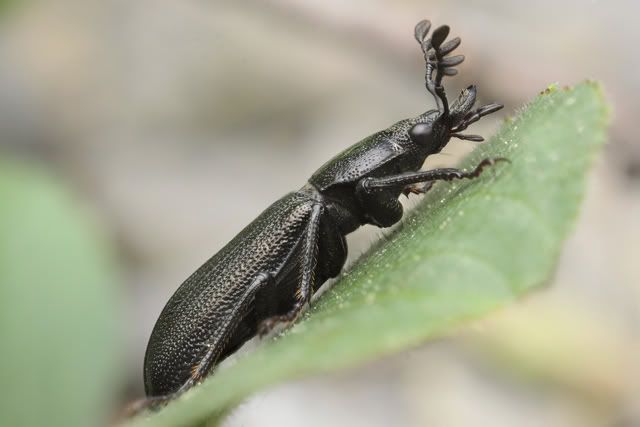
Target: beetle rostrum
[(269, 272)]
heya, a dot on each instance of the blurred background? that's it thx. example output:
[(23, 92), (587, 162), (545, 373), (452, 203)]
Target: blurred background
[(169, 126)]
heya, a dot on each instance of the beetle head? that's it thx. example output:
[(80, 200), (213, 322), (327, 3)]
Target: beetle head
[(428, 132), (450, 119), (433, 129)]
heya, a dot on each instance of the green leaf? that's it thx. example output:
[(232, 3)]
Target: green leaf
[(470, 247), (57, 306)]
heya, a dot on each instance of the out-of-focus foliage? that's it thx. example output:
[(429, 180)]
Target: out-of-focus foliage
[(539, 342), (58, 316), (4, 4), (470, 247)]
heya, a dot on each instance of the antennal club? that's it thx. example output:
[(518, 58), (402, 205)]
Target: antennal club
[(438, 65)]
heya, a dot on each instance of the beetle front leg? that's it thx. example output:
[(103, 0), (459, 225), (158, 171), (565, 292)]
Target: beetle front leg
[(444, 174), (307, 275)]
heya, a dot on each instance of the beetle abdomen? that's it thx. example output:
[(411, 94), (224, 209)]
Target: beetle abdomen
[(197, 309)]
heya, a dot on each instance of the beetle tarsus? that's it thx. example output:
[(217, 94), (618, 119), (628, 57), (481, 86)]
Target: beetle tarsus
[(417, 189), (268, 325)]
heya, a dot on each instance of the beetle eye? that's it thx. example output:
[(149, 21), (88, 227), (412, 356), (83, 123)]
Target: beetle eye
[(421, 133)]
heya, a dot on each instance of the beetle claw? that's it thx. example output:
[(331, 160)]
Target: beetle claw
[(417, 188), (266, 326)]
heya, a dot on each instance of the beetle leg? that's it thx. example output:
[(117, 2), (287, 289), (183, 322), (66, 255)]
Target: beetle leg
[(216, 345), (417, 189), (307, 274), (444, 174)]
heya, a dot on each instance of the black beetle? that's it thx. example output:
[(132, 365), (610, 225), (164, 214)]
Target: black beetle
[(269, 271)]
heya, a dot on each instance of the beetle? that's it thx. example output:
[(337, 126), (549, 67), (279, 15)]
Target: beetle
[(268, 273)]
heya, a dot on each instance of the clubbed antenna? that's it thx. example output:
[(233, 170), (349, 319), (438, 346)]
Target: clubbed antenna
[(438, 65)]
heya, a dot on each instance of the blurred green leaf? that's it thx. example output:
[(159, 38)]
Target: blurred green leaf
[(7, 6), (470, 247), (57, 306)]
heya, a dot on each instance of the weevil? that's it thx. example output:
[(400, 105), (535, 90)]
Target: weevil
[(268, 273)]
